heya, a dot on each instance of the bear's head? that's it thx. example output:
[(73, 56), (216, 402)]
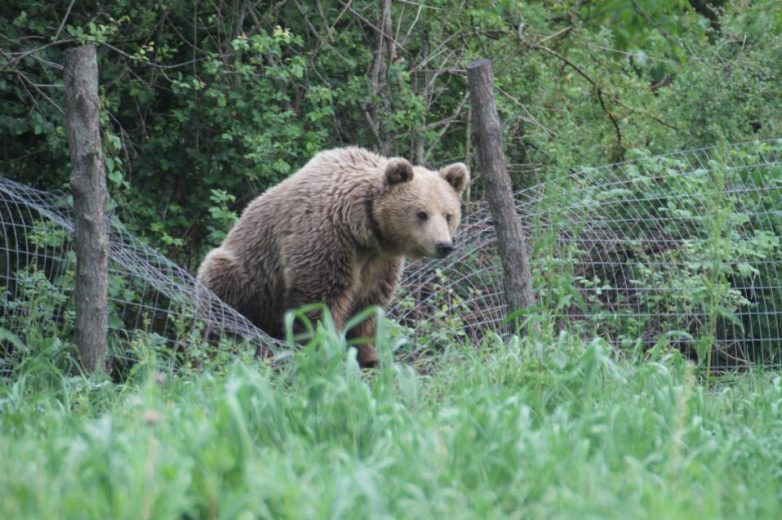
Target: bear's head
[(419, 210)]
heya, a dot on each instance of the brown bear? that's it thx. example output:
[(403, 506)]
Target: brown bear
[(336, 232)]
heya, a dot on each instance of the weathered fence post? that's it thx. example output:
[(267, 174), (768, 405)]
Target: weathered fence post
[(499, 193), (88, 182)]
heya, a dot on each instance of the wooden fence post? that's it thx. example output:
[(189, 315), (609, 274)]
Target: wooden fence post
[(499, 193), (88, 183)]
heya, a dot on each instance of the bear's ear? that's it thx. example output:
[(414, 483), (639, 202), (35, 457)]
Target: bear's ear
[(457, 175), (398, 171)]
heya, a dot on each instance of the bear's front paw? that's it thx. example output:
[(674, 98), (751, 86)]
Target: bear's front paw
[(367, 356)]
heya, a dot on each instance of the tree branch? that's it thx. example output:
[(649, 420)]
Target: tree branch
[(598, 91)]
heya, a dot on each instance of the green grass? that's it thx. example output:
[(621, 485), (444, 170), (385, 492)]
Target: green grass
[(556, 429)]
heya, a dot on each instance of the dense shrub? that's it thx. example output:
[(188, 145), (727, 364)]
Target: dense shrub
[(225, 96)]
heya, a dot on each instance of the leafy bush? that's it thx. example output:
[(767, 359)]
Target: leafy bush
[(236, 97)]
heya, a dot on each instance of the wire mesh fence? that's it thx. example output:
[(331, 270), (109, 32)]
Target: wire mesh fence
[(148, 294), (681, 249)]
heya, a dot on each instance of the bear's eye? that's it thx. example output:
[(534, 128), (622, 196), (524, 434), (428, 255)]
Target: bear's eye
[(422, 216), (448, 217)]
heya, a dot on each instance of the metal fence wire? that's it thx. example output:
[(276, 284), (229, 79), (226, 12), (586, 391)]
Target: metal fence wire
[(150, 297), (682, 249)]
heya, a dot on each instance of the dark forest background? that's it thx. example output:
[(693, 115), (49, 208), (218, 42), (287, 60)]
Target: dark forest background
[(207, 103)]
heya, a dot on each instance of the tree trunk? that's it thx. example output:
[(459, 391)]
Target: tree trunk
[(88, 182), (487, 134), (384, 56)]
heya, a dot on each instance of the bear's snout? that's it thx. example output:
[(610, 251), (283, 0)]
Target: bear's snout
[(444, 249)]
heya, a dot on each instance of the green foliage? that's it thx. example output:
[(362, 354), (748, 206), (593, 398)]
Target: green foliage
[(234, 97), (222, 217), (206, 105), (666, 247)]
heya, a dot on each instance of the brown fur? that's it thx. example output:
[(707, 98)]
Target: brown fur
[(335, 232)]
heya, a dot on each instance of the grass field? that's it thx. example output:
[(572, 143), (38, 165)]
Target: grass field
[(555, 429)]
